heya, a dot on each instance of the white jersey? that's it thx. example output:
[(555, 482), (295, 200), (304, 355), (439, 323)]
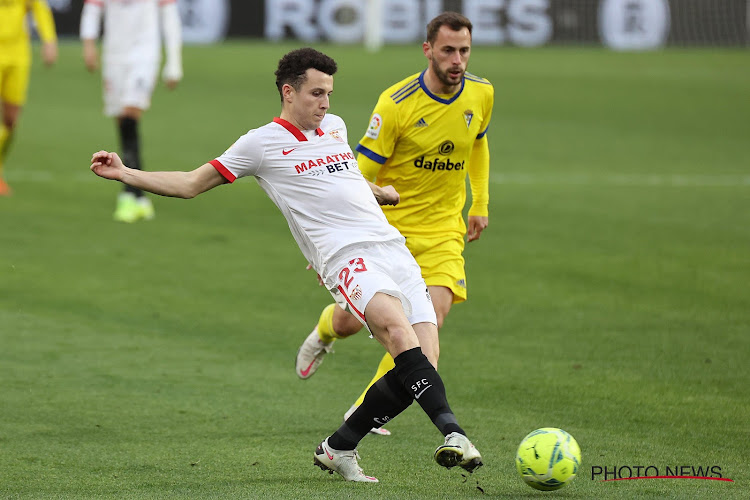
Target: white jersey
[(131, 30), (315, 183)]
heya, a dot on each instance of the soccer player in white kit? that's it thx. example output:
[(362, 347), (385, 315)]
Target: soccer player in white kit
[(131, 55), (304, 164)]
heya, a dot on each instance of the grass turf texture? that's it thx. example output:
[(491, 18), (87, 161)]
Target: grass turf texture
[(609, 295)]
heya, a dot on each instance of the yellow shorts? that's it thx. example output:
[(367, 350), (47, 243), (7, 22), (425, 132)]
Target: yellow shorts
[(14, 82), (442, 262)]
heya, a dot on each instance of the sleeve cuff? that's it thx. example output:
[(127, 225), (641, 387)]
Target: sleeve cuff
[(481, 210), (371, 154), (224, 171)]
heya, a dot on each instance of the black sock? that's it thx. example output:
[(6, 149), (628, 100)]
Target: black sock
[(385, 399), (131, 154), (412, 378), (419, 377)]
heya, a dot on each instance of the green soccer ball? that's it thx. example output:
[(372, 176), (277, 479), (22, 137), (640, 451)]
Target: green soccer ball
[(548, 458)]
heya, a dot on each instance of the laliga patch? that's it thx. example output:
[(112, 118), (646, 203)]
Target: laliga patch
[(373, 131)]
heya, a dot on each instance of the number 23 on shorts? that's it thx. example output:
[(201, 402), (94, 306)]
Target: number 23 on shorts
[(355, 266)]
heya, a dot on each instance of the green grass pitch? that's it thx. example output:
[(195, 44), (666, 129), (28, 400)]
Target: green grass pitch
[(609, 296)]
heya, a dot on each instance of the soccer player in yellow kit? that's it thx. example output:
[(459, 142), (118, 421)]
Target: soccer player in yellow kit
[(426, 133), (15, 63)]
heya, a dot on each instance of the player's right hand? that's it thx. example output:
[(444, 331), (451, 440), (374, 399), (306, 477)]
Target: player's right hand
[(107, 165), (320, 280)]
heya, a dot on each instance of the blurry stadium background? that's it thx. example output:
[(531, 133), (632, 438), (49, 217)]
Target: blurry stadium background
[(618, 24), (608, 297)]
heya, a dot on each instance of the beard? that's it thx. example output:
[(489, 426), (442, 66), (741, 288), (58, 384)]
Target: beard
[(444, 77)]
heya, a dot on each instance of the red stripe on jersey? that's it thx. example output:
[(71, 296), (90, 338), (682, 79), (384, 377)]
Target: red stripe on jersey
[(224, 171), (294, 130), (166, 2), (100, 3), (343, 292)]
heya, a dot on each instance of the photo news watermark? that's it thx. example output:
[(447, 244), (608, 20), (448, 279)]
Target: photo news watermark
[(632, 472)]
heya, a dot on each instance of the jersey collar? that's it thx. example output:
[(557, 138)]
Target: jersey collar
[(294, 130), (436, 98)]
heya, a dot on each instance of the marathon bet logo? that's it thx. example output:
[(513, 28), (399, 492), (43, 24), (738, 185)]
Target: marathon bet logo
[(437, 163), (606, 473), (333, 163)]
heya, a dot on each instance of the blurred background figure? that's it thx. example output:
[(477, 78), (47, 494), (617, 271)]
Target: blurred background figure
[(131, 54), (15, 63)]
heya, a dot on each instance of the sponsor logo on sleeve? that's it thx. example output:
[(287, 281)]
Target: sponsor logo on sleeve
[(376, 122)]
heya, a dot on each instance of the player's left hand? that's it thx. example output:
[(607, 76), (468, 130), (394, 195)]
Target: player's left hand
[(49, 53), (90, 55), (477, 224), (171, 74)]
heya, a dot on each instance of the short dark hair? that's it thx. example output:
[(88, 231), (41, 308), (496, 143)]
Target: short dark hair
[(453, 20), (294, 64)]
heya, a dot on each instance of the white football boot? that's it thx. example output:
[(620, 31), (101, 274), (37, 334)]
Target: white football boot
[(344, 462), (310, 354), (458, 450), (378, 431)]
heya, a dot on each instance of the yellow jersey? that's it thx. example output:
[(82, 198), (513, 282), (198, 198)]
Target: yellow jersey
[(424, 145), (14, 35)]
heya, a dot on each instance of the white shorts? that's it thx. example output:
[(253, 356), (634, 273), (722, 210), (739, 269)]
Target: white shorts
[(364, 270), (128, 85)]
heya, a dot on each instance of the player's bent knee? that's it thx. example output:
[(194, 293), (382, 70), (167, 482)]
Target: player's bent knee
[(345, 324), (399, 339), (10, 114)]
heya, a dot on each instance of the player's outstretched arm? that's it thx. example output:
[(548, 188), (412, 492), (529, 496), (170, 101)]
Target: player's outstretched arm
[(177, 184)]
